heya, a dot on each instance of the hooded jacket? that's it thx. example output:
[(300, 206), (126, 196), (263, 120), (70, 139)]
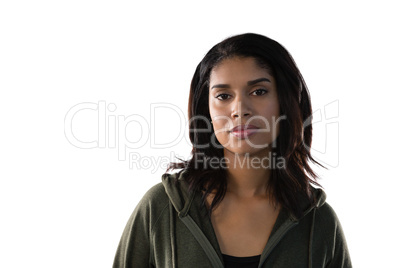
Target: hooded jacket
[(170, 228)]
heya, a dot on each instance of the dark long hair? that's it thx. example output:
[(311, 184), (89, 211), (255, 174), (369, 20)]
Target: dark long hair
[(287, 185)]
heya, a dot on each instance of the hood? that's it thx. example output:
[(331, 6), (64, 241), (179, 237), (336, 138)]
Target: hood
[(319, 197), (176, 188)]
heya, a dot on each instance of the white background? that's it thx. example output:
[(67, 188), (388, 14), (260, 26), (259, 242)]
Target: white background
[(64, 206)]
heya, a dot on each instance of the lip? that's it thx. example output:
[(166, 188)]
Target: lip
[(243, 128), (244, 131)]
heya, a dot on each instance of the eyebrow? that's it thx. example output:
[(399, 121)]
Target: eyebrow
[(252, 82), (249, 83)]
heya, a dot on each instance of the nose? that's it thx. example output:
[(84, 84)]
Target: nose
[(241, 109)]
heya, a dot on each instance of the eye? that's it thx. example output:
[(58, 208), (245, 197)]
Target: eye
[(222, 96), (260, 92)]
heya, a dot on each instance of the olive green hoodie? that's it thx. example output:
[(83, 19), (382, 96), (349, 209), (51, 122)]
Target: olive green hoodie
[(170, 228)]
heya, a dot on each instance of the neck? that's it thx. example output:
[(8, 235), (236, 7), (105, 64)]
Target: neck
[(246, 175)]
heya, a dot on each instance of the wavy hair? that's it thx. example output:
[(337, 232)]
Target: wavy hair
[(286, 186)]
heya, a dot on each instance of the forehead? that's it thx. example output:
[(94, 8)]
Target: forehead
[(239, 68)]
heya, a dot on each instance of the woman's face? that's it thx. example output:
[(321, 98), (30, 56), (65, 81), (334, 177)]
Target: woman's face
[(243, 95)]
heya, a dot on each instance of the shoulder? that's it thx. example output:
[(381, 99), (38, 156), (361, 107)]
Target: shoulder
[(154, 199), (326, 215), (135, 244), (149, 209), (155, 194), (329, 227), (173, 189)]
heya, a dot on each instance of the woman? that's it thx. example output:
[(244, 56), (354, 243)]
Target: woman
[(245, 198)]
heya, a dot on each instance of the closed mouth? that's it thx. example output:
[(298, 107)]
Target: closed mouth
[(243, 128)]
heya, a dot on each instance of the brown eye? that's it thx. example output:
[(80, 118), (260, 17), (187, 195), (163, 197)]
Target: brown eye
[(260, 92), (223, 96)]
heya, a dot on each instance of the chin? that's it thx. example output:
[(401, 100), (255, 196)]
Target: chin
[(248, 150), (245, 146)]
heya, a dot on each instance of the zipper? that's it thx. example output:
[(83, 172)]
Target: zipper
[(274, 240)]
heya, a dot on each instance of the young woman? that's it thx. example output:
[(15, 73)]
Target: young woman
[(245, 198)]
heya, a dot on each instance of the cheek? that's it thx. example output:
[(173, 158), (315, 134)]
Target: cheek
[(221, 133), (213, 107), (272, 109), (221, 122), (218, 112), (269, 119), (274, 120)]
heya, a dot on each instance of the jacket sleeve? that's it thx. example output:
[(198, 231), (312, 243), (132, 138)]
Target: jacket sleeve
[(134, 248), (341, 258), (340, 252)]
